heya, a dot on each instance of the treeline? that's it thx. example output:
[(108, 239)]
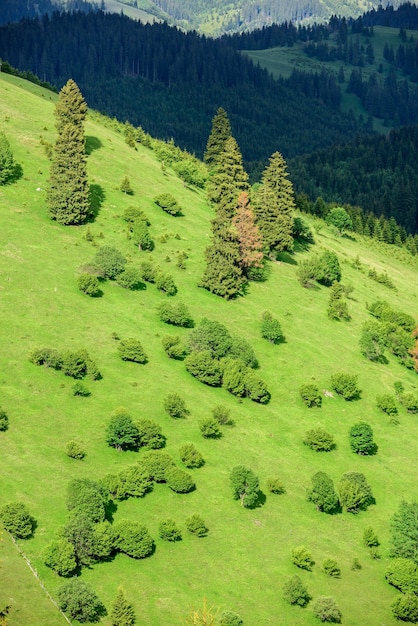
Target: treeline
[(379, 174), (171, 83), (15, 10)]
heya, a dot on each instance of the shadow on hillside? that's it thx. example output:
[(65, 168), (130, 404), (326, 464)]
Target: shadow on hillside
[(286, 257), (92, 143), (97, 197)]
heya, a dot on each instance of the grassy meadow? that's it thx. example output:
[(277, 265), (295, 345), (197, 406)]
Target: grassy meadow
[(242, 563)]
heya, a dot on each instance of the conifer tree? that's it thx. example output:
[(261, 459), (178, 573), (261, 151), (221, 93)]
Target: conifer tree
[(229, 179), (249, 239), (122, 613), (274, 205), (221, 131), (7, 165), (68, 193), (223, 274)]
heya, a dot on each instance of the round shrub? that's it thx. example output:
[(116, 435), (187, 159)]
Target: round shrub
[(17, 520), (328, 269), (221, 414), (196, 525), (405, 608), (256, 389), (157, 464), (46, 356), (330, 567), (130, 278), (121, 432), (109, 261), (209, 428), (78, 600), (179, 481), (191, 456), (345, 385), (361, 439), (326, 610), (132, 350), (133, 539), (168, 203), (169, 531), (176, 314), (87, 497), (355, 492), (134, 481), (175, 405), (275, 485), (173, 347), (310, 395), (148, 271), (141, 235), (4, 420), (165, 284), (79, 389), (271, 329), (410, 402), (203, 366), (301, 557), (228, 618), (74, 364), (295, 592), (370, 538), (60, 556), (74, 450), (402, 573), (89, 285), (319, 440), (149, 434), (322, 493), (387, 404)]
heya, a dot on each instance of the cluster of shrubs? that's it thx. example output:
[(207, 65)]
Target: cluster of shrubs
[(344, 384), (175, 313), (217, 358), (354, 493), (138, 228), (360, 437), (168, 203), (337, 303), (76, 364), (324, 269), (153, 275)]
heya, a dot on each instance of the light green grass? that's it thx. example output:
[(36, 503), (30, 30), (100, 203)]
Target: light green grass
[(242, 563)]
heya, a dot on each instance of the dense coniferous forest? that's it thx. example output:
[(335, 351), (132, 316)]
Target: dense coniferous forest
[(15, 10)]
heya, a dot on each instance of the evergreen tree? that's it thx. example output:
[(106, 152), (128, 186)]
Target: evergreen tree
[(248, 234), (229, 179), (68, 193), (274, 206), (221, 131), (223, 274), (7, 165), (122, 613)]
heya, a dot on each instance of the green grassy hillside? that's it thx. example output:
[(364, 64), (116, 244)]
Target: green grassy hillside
[(242, 563)]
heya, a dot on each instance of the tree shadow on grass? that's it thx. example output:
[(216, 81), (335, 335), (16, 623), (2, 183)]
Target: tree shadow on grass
[(97, 196), (286, 257), (92, 143)]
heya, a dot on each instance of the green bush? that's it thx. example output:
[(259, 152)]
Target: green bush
[(157, 464), (169, 531), (410, 402), (175, 405), (328, 269), (256, 388), (132, 350), (387, 404), (87, 497), (130, 278), (319, 440), (310, 395), (301, 557), (165, 284), (233, 376), (403, 574), (168, 203), (133, 213), (78, 600), (209, 428), (74, 450), (241, 350), (175, 313), (331, 568), (244, 485), (221, 414), (173, 347), (295, 592), (121, 432), (17, 520), (275, 485), (339, 218), (150, 434), (4, 420), (134, 481), (89, 285), (355, 492), (372, 345), (191, 456), (405, 608), (46, 356), (361, 439), (148, 271), (141, 236), (133, 539), (346, 385), (228, 618), (79, 364), (196, 525), (109, 261), (104, 540), (212, 336), (370, 538), (326, 610), (79, 389), (306, 272), (322, 493), (179, 481), (59, 555), (204, 367)]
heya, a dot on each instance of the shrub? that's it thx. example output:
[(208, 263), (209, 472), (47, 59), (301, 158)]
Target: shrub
[(89, 285), (191, 456), (387, 404), (295, 592), (256, 388), (60, 556), (337, 305), (46, 356), (122, 612), (133, 213), (361, 439), (196, 525), (17, 520), (328, 269), (345, 385), (134, 481), (148, 271), (132, 350), (78, 600), (79, 389), (319, 440), (307, 271), (241, 350), (301, 557), (179, 481), (371, 343), (168, 203), (175, 313), (331, 568), (74, 364), (403, 574), (169, 531), (310, 395), (233, 376), (212, 336), (221, 414), (165, 284), (405, 608), (355, 492), (103, 540), (130, 278), (87, 497), (244, 485), (121, 432), (79, 531), (149, 434), (133, 539), (4, 420), (109, 261), (356, 565), (141, 235), (410, 402), (339, 218), (370, 538), (322, 493), (302, 231), (209, 428), (175, 405), (157, 464), (326, 610), (204, 367), (173, 347), (74, 450), (228, 618), (275, 485)]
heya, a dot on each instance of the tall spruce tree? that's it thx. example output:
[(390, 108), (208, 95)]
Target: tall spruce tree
[(122, 613), (229, 179), (221, 131), (68, 193), (223, 274), (274, 206), (7, 164), (249, 238)]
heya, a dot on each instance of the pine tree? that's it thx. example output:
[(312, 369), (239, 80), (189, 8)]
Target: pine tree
[(122, 613), (7, 165), (249, 239), (223, 274), (274, 206), (229, 179), (68, 193), (221, 131)]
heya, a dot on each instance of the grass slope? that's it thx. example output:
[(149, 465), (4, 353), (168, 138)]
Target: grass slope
[(242, 563)]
